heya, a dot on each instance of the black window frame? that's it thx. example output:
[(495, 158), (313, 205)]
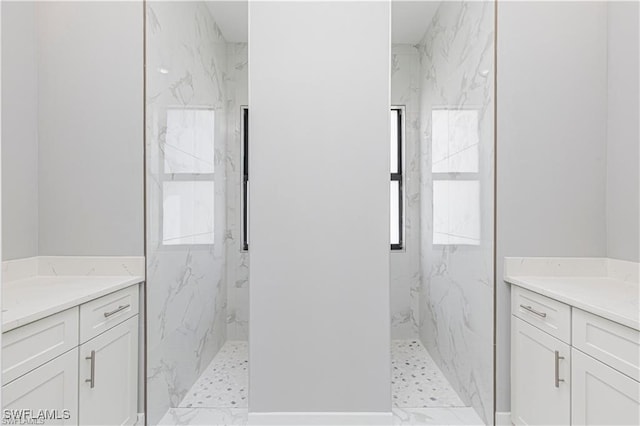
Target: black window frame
[(245, 178), (399, 177)]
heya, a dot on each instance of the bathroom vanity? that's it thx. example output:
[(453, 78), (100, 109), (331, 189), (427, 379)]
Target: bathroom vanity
[(70, 347), (575, 341)]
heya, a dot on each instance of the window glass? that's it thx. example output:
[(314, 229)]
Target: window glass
[(393, 157), (394, 217)]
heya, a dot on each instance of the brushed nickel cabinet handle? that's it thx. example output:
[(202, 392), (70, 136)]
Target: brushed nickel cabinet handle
[(533, 311), (558, 379), (92, 379), (115, 311)]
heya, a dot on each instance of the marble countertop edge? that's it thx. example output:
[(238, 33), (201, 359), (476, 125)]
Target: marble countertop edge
[(54, 294), (558, 288)]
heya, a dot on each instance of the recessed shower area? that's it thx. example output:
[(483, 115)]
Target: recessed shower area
[(367, 212), (441, 283), (197, 267)]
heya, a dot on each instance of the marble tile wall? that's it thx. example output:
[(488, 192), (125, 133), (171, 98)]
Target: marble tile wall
[(456, 294), (237, 260), (405, 264), (186, 283)]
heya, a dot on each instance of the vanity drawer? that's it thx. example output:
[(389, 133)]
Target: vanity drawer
[(610, 342), (30, 346), (547, 314), (101, 314)]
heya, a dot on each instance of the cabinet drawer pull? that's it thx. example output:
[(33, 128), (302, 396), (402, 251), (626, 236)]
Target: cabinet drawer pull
[(115, 311), (558, 379), (92, 379), (533, 311)]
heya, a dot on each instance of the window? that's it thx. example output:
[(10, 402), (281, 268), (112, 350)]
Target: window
[(396, 198), (187, 177), (245, 178), (395, 189), (455, 171)]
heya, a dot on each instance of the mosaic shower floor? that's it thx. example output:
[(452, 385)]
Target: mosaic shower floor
[(421, 394), (225, 382), (416, 380)]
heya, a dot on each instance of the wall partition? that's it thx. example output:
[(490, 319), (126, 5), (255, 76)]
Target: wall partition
[(319, 300)]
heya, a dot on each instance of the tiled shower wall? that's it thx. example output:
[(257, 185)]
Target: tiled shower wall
[(405, 264), (186, 284), (456, 296), (237, 260)]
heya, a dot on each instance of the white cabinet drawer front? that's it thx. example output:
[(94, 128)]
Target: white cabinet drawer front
[(102, 314), (28, 347), (601, 395), (109, 376), (547, 314), (610, 342), (52, 386)]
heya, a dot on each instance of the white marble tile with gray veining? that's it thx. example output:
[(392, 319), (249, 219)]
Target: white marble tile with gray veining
[(186, 274), (456, 195)]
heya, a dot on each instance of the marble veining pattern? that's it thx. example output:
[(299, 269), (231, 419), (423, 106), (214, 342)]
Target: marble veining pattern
[(416, 381), (237, 260), (225, 382), (404, 265), (436, 416), (205, 417), (456, 294), (186, 283)]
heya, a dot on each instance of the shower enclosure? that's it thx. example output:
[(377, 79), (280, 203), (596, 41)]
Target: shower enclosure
[(441, 260)]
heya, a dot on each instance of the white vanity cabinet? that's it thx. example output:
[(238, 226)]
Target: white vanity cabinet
[(540, 375), (601, 394), (81, 364), (51, 386), (569, 366)]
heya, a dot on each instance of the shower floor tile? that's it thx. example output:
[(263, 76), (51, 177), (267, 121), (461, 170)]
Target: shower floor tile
[(416, 381), (225, 382)]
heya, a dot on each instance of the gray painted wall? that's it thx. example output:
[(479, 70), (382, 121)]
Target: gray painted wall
[(623, 181), (19, 131), (330, 294), (552, 132), (72, 129), (90, 120)]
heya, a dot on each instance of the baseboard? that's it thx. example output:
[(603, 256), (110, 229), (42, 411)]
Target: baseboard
[(329, 418), (503, 418)]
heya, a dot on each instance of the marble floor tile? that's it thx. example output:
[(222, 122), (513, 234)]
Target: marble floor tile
[(225, 382), (436, 416), (205, 416), (416, 381)]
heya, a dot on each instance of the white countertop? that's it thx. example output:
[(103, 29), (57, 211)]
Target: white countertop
[(609, 298), (605, 287), (30, 299)]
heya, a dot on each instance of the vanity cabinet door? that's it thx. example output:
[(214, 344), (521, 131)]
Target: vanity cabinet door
[(109, 376), (540, 375), (602, 395), (52, 387)]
